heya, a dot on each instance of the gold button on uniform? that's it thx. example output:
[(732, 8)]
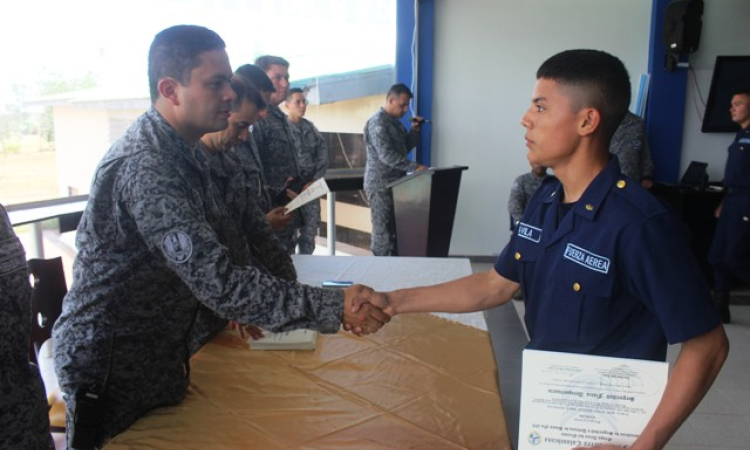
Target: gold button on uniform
[(589, 207), (576, 287), (517, 256), (621, 184)]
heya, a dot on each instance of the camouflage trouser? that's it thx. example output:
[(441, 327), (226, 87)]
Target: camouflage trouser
[(23, 414), (309, 229), (383, 220)]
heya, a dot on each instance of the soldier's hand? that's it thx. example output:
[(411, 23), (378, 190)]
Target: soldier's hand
[(366, 318), (278, 219)]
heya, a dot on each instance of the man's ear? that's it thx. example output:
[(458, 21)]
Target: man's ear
[(168, 89), (590, 121)]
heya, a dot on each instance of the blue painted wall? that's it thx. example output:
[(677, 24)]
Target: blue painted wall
[(665, 110), (423, 46)]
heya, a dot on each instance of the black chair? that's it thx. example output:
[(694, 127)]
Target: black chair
[(46, 305), (46, 300)]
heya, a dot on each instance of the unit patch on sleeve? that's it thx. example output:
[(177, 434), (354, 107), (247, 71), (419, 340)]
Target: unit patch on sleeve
[(177, 246)]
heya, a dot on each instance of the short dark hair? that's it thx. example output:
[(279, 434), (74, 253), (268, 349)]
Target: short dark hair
[(602, 78), (245, 92), (294, 90), (176, 51), (742, 91), (256, 76), (266, 61), (398, 89)]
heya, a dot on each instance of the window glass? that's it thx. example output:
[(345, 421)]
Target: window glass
[(75, 74)]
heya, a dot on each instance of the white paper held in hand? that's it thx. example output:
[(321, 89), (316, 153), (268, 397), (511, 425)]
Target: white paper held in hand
[(316, 190)]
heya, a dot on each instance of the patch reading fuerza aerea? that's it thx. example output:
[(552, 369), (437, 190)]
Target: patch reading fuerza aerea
[(586, 258), (177, 246)]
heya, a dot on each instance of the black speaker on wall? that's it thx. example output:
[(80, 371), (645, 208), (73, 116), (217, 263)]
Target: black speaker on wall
[(682, 29)]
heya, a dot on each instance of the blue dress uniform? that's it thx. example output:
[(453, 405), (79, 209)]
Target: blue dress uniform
[(612, 276), (730, 249)]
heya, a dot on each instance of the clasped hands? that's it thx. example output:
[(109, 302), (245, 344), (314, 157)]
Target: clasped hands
[(365, 310)]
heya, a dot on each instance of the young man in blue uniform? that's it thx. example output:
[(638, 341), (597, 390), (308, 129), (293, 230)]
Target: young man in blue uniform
[(604, 268), (730, 249)]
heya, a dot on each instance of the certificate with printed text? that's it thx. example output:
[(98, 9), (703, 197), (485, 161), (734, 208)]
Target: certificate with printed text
[(572, 400), (316, 190)]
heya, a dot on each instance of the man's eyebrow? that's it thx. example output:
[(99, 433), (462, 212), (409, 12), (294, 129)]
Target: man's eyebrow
[(538, 99)]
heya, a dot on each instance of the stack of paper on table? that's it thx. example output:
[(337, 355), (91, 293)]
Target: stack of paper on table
[(287, 340)]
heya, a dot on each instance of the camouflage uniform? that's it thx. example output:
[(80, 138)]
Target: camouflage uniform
[(521, 191), (149, 254), (312, 154), (630, 145), (249, 159), (254, 244), (387, 143), (23, 406), (279, 161)]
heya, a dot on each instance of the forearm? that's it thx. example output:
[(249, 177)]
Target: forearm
[(694, 372), (475, 292)]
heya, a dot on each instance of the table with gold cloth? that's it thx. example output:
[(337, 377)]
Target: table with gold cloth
[(422, 382)]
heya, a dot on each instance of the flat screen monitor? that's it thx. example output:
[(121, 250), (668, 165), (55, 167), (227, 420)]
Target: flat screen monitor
[(731, 73)]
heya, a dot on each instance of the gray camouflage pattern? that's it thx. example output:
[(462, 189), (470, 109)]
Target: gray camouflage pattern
[(312, 155), (278, 158), (152, 247), (255, 244), (247, 153), (387, 143), (24, 424), (630, 145), (521, 191)]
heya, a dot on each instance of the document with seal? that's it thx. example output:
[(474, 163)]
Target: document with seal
[(572, 400)]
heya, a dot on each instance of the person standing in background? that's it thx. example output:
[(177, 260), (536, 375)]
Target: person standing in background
[(522, 190), (730, 250), (312, 155), (278, 156), (247, 151), (387, 143), (630, 145)]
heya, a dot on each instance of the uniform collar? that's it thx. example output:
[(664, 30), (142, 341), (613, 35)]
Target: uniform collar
[(593, 197), (276, 111)]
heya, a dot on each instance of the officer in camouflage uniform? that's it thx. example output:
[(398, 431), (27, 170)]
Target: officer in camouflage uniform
[(630, 145), (276, 146), (152, 249), (247, 152), (24, 424), (522, 190), (247, 242), (312, 154), (387, 143)]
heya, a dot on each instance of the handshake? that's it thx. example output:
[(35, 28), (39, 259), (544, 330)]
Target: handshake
[(365, 311)]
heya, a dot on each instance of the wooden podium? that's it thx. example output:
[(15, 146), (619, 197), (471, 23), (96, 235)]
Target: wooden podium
[(425, 208)]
